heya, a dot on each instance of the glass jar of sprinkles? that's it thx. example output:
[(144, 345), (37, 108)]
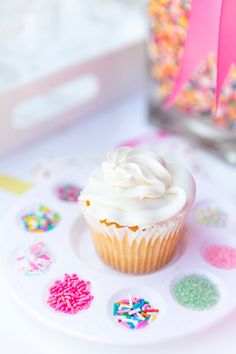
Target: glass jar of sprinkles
[(193, 112)]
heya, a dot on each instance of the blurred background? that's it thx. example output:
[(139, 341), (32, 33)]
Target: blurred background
[(63, 59)]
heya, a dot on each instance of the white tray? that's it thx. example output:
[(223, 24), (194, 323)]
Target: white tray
[(72, 247)]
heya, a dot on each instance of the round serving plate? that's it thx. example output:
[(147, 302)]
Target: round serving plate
[(211, 222)]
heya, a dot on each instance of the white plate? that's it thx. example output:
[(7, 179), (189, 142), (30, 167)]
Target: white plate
[(72, 247)]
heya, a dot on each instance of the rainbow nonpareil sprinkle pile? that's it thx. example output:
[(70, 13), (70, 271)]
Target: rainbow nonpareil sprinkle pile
[(35, 259), (68, 192), (70, 295), (134, 313), (40, 220)]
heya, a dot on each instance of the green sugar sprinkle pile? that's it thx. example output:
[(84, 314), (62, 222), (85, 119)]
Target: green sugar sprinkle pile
[(196, 292)]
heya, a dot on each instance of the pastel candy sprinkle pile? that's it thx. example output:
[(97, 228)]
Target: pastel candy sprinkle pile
[(68, 192), (210, 215), (35, 259), (70, 295), (40, 220), (134, 313), (196, 292), (220, 256)]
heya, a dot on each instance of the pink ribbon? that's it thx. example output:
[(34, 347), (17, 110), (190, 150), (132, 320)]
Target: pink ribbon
[(227, 43), (212, 28)]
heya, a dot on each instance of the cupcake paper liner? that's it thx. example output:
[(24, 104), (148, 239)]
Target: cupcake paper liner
[(145, 250)]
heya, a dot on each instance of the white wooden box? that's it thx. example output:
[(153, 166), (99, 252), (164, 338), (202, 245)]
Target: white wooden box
[(56, 100)]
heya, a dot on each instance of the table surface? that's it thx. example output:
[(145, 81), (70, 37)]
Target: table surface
[(95, 135)]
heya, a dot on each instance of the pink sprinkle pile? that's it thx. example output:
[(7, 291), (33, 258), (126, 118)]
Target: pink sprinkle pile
[(70, 295), (35, 259), (220, 256)]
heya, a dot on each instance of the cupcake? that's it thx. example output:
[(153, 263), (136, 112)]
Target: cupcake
[(136, 205)]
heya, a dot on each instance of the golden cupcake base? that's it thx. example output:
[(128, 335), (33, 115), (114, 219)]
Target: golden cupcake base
[(140, 255)]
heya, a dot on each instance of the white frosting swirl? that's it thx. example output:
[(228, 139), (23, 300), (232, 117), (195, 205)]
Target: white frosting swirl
[(134, 187)]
